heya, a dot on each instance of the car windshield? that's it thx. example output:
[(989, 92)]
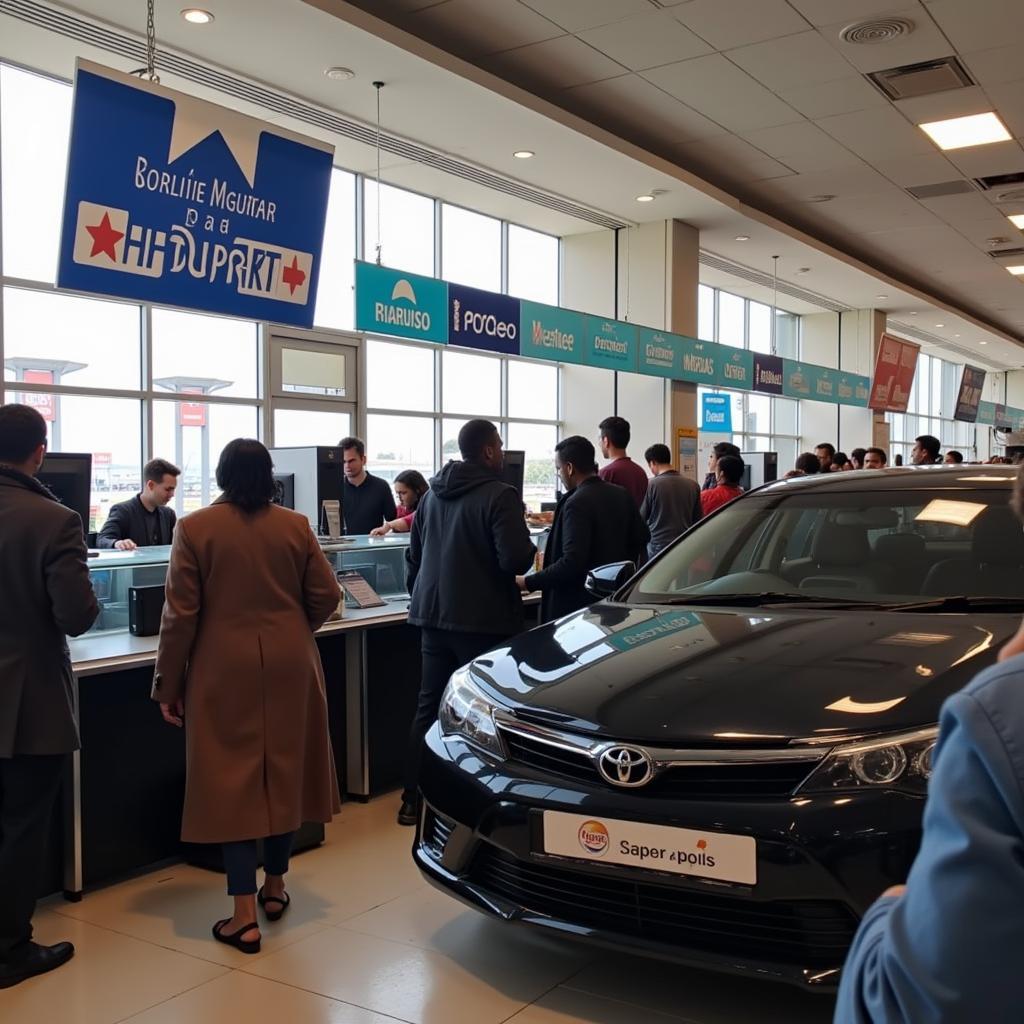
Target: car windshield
[(818, 545)]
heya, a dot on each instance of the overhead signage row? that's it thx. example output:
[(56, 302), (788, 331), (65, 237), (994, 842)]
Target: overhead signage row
[(406, 305)]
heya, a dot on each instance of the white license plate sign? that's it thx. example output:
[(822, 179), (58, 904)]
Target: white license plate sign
[(680, 851)]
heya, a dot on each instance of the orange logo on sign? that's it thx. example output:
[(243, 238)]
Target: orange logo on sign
[(593, 837)]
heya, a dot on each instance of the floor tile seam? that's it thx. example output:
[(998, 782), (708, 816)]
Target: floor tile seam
[(176, 995), (341, 922), (323, 995), (630, 1005)]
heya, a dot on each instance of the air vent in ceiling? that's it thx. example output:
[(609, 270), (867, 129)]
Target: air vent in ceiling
[(931, 76), (1000, 181), (1010, 195), (1005, 254), (942, 188), (877, 30)]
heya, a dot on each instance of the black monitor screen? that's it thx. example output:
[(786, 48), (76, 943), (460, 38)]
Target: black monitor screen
[(284, 490), (69, 476), (513, 469)]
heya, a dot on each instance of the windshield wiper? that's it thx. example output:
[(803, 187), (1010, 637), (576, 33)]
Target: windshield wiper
[(959, 603), (767, 598)]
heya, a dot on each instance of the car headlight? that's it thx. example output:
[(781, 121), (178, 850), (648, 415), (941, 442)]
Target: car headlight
[(901, 762), (466, 712)]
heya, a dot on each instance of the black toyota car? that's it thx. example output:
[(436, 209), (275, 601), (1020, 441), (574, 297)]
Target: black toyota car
[(725, 761)]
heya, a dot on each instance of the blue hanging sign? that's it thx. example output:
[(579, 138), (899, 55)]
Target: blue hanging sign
[(716, 414), (175, 200), (484, 320), (405, 305)]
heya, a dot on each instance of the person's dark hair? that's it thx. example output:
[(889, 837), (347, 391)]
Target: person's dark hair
[(157, 469), (616, 429), (830, 448), (659, 455), (579, 451), (731, 467), (956, 456), (930, 444), (474, 437), (808, 463), (857, 457), (413, 479), (22, 431), (353, 442), (840, 459), (245, 474), (725, 448), (879, 452)]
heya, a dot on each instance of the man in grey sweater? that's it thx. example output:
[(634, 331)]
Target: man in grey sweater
[(672, 504)]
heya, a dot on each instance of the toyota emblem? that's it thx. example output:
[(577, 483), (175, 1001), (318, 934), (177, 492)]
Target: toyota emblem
[(625, 766)]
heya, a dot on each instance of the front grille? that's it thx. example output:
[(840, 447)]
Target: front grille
[(437, 830), (684, 782), (803, 933)]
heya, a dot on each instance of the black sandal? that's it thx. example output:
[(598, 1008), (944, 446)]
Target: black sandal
[(273, 915), (235, 938)]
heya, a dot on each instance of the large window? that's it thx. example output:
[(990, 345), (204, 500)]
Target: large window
[(761, 423), (470, 248), (453, 386), (930, 411), (402, 223)]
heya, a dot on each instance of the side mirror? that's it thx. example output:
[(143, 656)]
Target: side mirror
[(603, 581)]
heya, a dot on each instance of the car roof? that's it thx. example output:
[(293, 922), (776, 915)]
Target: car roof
[(905, 478)]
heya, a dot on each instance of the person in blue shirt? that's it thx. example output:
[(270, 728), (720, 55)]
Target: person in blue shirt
[(948, 948)]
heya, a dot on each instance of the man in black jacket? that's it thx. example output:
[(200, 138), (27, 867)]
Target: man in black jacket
[(596, 523), (46, 594), (145, 520), (469, 541)]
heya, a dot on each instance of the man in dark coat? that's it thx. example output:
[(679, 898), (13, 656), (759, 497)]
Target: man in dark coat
[(596, 523), (469, 540), (46, 595), (146, 519)]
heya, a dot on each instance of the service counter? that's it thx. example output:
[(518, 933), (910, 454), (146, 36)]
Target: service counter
[(125, 787)]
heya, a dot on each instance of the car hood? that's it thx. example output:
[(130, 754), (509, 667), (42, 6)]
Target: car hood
[(763, 677)]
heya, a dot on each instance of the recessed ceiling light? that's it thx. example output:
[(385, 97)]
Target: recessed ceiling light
[(523, 154), (802, 270), (645, 199), (881, 296), (982, 342), (913, 314), (940, 325), (960, 132), (197, 16), (743, 238), (1016, 271), (339, 74), (956, 335), (1017, 220)]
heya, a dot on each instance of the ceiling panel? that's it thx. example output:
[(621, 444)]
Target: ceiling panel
[(979, 161), (577, 15), (980, 24), (723, 92), (1009, 102), (857, 179), (941, 105), (788, 63), (997, 66), (802, 146), (827, 12), (843, 96), (924, 169), (724, 27), (646, 41), (555, 64), (964, 211), (877, 134), (635, 105), (926, 42), (728, 155), (473, 27), (892, 210)]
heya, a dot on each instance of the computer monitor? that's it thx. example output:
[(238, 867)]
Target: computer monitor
[(513, 469), (284, 490), (69, 476)]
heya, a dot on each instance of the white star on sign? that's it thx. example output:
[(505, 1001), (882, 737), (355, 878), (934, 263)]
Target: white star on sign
[(196, 120)]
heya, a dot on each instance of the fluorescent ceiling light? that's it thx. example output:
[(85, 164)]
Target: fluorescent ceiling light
[(743, 238), (523, 154), (960, 132), (650, 199), (1017, 270), (197, 16), (1017, 220), (940, 325)]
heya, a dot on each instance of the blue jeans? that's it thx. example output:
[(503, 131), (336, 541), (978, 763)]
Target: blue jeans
[(240, 861)]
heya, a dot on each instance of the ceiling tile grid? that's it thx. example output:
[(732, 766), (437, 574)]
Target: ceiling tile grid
[(646, 41)]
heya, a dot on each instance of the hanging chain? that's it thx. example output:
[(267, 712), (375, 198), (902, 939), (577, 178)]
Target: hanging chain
[(378, 86), (149, 71)]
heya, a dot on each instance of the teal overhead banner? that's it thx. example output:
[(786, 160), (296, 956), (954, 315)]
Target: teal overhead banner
[(660, 353), (699, 361), (406, 305), (735, 368), (853, 389), (610, 344), (547, 332)]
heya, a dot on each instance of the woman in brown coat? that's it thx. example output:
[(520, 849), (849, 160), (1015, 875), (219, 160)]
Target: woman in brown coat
[(246, 588)]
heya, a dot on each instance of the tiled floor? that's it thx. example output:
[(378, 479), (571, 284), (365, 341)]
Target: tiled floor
[(365, 942)]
